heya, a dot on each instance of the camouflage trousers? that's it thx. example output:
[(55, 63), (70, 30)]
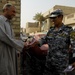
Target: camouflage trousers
[(51, 70), (52, 73)]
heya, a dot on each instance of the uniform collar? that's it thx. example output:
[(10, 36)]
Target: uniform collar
[(61, 27)]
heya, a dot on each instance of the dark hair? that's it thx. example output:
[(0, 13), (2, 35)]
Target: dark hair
[(60, 15)]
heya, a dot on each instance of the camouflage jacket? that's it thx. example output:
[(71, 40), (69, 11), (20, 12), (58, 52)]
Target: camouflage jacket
[(72, 39), (59, 42)]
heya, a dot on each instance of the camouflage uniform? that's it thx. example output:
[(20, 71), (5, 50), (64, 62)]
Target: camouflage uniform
[(58, 55), (72, 35), (72, 60)]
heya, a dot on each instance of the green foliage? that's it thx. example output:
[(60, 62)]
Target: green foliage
[(39, 17)]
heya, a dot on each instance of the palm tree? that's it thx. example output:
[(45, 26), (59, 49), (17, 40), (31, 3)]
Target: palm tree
[(39, 18)]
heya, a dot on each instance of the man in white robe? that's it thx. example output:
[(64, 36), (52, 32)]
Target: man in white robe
[(8, 44)]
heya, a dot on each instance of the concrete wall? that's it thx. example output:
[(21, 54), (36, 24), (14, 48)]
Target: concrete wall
[(32, 27), (69, 19), (33, 30), (66, 9)]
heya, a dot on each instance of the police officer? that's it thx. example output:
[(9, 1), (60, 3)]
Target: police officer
[(58, 40)]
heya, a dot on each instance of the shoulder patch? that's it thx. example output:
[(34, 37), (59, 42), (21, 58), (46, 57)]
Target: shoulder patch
[(68, 28)]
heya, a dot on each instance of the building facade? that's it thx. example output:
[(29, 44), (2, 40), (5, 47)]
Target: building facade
[(68, 19), (32, 27)]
